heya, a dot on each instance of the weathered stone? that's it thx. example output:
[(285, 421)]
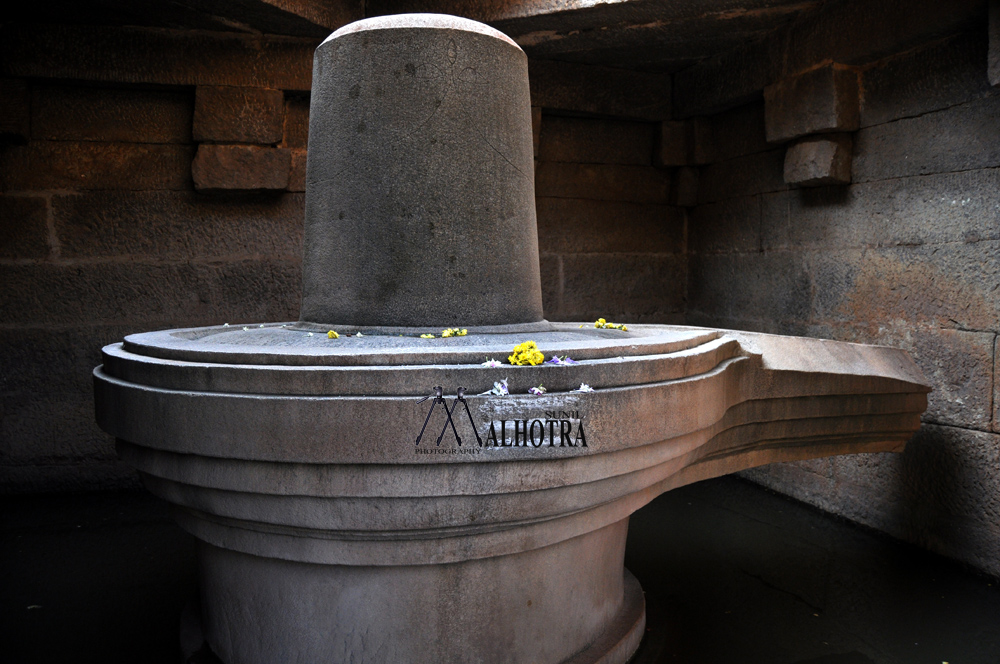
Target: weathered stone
[(619, 286), (958, 363), (732, 226), (742, 176), (931, 78), (996, 384), (93, 165), (297, 172), (226, 114), (190, 293), (51, 428), (24, 227), (240, 167), (846, 32), (773, 290), (685, 142), (959, 138), (674, 148), (178, 226), (567, 225), (819, 160), (940, 493), (461, 170), (947, 285), (685, 190), (727, 80), (296, 133), (15, 117), (536, 129), (993, 62), (588, 141), (569, 86), (702, 143), (886, 213), (551, 270), (815, 102), (739, 132), (85, 113), (93, 53), (604, 182), (34, 350)]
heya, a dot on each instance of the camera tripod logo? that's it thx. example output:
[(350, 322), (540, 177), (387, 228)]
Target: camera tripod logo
[(438, 398)]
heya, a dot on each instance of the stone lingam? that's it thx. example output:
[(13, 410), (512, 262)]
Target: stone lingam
[(339, 516)]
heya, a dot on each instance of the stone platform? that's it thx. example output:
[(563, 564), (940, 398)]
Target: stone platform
[(326, 529)]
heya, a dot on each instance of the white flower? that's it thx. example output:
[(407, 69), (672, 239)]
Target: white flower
[(310, 334), (225, 325), (499, 389), (262, 325), (246, 329), (492, 364), (359, 335), (584, 388), (537, 391)]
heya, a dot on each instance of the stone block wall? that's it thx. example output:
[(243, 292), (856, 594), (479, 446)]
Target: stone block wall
[(907, 254), (612, 244), (102, 229)]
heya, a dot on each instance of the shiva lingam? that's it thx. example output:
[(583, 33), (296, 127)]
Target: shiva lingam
[(341, 514)]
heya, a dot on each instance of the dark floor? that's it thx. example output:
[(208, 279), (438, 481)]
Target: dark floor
[(732, 573)]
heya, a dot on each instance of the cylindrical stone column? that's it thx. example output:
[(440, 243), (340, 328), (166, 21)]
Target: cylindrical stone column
[(420, 188)]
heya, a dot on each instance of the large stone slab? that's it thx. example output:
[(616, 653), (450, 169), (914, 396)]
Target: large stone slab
[(227, 114), (817, 161), (818, 101), (594, 141), (93, 165), (85, 113), (959, 138)]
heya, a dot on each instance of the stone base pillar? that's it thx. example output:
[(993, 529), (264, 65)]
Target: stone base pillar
[(568, 602)]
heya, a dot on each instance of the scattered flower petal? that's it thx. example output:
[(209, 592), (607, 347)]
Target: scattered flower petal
[(359, 335), (332, 335), (565, 359), (526, 353), (584, 388), (605, 325), (261, 325), (499, 389), (310, 334), (492, 364), (245, 328), (225, 325), (537, 390)]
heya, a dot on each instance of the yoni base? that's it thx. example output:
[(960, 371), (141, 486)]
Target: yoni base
[(543, 605)]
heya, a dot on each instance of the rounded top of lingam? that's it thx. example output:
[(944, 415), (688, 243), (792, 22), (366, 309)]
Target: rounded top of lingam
[(441, 21), (420, 202)]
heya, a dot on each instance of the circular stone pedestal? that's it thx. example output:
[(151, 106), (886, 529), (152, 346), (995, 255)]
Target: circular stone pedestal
[(327, 529)]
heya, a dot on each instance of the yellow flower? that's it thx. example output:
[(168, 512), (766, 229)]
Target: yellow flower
[(603, 324), (454, 332), (426, 336), (526, 353), (332, 335)]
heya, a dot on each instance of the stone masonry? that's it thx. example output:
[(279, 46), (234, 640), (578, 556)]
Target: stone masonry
[(659, 199)]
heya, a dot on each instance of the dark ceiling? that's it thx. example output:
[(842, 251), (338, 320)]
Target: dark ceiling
[(652, 35)]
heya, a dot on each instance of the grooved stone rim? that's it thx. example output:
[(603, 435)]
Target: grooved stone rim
[(285, 344)]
